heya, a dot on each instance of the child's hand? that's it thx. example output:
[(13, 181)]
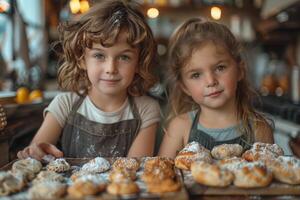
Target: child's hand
[(38, 151)]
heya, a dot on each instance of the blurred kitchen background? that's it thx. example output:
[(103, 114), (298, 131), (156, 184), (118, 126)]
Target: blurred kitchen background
[(268, 29)]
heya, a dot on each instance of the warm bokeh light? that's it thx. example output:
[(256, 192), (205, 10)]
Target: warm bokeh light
[(84, 6), (74, 6), (216, 13), (152, 12), (4, 6)]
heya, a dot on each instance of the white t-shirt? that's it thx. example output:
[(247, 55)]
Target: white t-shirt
[(61, 107)]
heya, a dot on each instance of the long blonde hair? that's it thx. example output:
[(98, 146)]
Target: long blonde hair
[(102, 24), (184, 41)]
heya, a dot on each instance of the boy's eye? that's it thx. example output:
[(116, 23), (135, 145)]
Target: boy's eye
[(98, 56), (124, 57)]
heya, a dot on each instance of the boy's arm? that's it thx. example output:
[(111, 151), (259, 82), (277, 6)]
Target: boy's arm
[(173, 140), (44, 141), (143, 145)]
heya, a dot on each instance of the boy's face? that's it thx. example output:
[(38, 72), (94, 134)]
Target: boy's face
[(111, 69), (211, 77)]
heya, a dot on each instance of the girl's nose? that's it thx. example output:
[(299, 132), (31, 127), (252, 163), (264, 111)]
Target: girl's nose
[(111, 67), (211, 80)]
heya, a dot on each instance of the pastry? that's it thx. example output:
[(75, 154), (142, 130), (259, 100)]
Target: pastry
[(286, 169), (29, 167), (123, 188), (211, 174), (10, 184), (163, 186), (48, 176), (87, 185), (227, 151), (47, 190), (252, 175), (128, 163), (58, 165), (122, 174), (190, 153), (263, 151), (97, 165)]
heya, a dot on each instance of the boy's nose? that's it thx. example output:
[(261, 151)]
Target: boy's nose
[(111, 67)]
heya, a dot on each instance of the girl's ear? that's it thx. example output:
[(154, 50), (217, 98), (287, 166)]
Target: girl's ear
[(184, 89)]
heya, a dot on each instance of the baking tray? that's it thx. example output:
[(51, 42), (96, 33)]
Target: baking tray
[(143, 194), (275, 188)]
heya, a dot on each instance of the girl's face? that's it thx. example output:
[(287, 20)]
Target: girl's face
[(111, 70), (211, 77)]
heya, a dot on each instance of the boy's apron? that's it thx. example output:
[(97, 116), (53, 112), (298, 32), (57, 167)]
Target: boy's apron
[(85, 138), (209, 142)]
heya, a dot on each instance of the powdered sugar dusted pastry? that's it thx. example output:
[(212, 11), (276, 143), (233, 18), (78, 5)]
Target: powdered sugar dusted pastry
[(28, 166), (231, 163), (263, 151), (128, 163), (10, 184), (47, 190), (227, 151), (97, 165), (87, 185), (48, 176), (252, 175), (190, 153), (211, 174), (157, 174), (58, 165), (122, 174), (286, 169), (79, 174), (163, 186), (123, 188)]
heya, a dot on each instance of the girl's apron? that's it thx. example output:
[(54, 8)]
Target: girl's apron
[(209, 142), (85, 138)]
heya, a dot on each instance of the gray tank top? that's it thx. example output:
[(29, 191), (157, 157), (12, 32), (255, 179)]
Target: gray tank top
[(213, 137)]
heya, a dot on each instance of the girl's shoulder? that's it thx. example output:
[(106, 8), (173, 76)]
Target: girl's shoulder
[(180, 125)]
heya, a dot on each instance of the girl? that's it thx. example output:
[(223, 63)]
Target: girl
[(210, 99), (109, 53)]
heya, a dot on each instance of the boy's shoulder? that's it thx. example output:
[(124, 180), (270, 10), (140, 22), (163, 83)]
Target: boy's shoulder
[(67, 97)]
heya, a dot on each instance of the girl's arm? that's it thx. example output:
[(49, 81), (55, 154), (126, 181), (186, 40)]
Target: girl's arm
[(44, 141), (143, 145), (174, 138)]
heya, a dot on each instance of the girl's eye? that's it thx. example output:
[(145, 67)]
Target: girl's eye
[(98, 56), (195, 75), (220, 68), (124, 57)]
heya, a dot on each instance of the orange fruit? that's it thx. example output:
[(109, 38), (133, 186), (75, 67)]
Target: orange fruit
[(36, 95), (22, 95)]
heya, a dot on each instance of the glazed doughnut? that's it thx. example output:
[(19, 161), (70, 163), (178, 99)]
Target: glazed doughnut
[(211, 174), (226, 151), (252, 175), (123, 188), (263, 151), (286, 169), (128, 163)]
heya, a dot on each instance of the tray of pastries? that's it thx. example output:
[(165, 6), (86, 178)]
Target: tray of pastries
[(94, 178), (228, 170)]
